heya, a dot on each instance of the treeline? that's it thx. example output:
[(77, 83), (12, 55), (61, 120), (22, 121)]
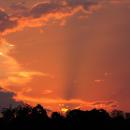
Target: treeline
[(36, 118)]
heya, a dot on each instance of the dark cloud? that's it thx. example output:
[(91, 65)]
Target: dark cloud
[(44, 8), (53, 10), (6, 22), (19, 9), (86, 4), (6, 99)]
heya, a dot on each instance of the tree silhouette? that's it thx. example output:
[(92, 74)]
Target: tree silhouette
[(36, 118)]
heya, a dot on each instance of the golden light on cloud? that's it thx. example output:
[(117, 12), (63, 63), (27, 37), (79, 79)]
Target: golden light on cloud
[(11, 72)]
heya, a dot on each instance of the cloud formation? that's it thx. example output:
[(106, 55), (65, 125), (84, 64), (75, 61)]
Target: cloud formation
[(6, 22), (71, 104), (41, 13), (11, 72)]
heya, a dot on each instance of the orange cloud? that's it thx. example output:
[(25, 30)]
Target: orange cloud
[(98, 80), (11, 72), (47, 91), (56, 104)]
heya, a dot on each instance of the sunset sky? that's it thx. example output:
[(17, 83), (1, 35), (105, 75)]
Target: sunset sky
[(71, 53)]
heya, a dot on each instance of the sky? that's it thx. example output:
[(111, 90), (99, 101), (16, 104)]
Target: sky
[(65, 53)]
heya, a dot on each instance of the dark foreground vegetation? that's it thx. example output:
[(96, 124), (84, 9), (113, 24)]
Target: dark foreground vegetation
[(30, 118)]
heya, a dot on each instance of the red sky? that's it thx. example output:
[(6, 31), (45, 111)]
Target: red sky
[(74, 52)]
